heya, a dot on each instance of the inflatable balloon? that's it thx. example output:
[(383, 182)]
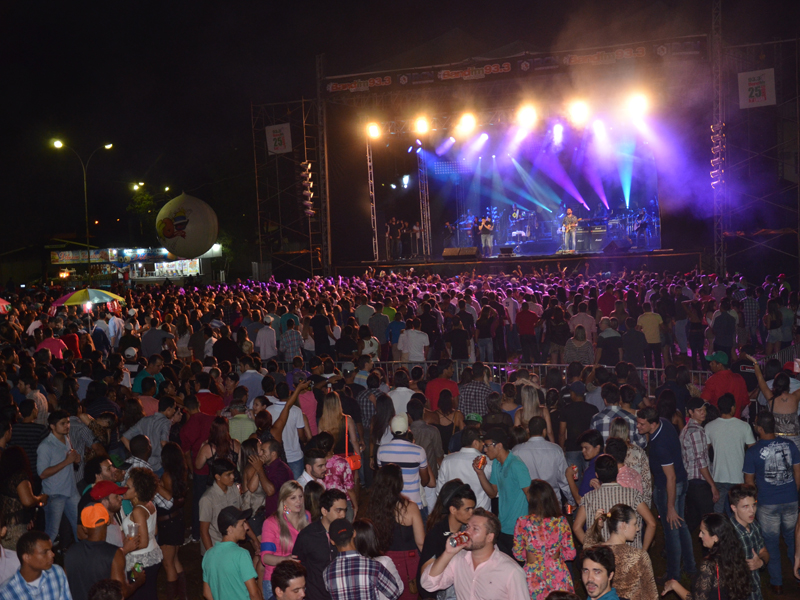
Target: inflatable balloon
[(187, 226)]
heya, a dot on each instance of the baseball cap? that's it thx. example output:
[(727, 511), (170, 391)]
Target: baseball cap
[(348, 367), (578, 387), (719, 357), (130, 352), (791, 366), (128, 327), (341, 532), (694, 403), (106, 488), (474, 418), (94, 516), (399, 423), (230, 516)]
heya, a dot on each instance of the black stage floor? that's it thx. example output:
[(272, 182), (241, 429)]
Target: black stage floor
[(656, 260)]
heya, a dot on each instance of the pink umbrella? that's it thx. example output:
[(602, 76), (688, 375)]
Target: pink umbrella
[(5, 306)]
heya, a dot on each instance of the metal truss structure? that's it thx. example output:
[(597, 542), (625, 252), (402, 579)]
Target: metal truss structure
[(424, 205), (717, 129), (293, 241)]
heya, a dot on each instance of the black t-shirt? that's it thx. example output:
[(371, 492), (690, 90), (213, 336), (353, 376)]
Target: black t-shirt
[(633, 346), (459, 343), (578, 417), (346, 347), (319, 325), (609, 349)]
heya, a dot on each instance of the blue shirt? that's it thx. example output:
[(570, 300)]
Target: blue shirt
[(50, 453), (52, 586), (772, 463), (393, 331), (511, 478), (665, 450), (588, 475)]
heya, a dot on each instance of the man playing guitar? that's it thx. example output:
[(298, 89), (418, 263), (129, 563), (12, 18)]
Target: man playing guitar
[(487, 236), (569, 225)]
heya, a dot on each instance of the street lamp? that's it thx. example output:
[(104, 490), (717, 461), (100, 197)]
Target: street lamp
[(85, 165)]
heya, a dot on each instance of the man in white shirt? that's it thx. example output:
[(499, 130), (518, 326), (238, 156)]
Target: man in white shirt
[(400, 393), (266, 344), (544, 459), (250, 378), (294, 425), (512, 308), (315, 467), (458, 465), (414, 343), (363, 312)]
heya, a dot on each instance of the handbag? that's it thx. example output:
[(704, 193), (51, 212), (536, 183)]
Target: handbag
[(354, 460)]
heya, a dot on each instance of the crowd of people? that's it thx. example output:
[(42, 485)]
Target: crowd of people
[(348, 438)]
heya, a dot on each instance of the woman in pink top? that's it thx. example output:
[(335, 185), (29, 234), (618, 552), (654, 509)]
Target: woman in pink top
[(280, 530)]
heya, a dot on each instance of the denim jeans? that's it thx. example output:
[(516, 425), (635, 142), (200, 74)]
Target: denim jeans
[(266, 588), (777, 520), (529, 352), (677, 542), (722, 506), (512, 338), (297, 467), (680, 335), (485, 345), (58, 505)]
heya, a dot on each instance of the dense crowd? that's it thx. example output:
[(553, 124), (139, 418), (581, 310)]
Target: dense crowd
[(402, 436)]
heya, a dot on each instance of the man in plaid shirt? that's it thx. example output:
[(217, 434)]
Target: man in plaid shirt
[(702, 493), (743, 500), (291, 342), (472, 396), (352, 576), (750, 310), (35, 551), (602, 420)]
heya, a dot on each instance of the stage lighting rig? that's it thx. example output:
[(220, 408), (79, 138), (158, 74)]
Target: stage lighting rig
[(466, 124), (718, 154), (578, 112), (421, 125), (374, 131), (637, 106), (526, 117)]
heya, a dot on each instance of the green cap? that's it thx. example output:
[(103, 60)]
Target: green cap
[(474, 417), (719, 357)]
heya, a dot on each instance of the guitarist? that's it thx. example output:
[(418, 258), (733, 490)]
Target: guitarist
[(570, 225), (487, 236)]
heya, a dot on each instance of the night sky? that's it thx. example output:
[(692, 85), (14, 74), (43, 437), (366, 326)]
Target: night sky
[(170, 85)]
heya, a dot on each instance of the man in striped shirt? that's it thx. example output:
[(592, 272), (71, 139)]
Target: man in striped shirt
[(702, 493), (409, 457), (602, 420)]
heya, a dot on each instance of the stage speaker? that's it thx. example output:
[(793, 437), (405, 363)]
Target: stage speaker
[(507, 251), (617, 247), (451, 253), (469, 252)]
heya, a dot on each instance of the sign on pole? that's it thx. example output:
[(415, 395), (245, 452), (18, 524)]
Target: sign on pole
[(279, 139), (757, 88)]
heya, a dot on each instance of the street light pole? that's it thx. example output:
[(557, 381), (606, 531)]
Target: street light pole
[(84, 167)]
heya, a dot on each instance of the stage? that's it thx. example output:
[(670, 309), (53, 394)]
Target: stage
[(657, 260)]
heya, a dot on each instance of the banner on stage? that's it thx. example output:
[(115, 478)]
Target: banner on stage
[(279, 139), (757, 88), (521, 65)]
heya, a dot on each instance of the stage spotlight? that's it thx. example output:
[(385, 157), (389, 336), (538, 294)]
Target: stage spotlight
[(410, 148), (578, 112), (493, 156), (419, 143), (526, 117), (467, 124), (419, 150), (374, 131), (637, 106), (421, 125), (599, 129), (406, 178), (393, 186), (558, 133)]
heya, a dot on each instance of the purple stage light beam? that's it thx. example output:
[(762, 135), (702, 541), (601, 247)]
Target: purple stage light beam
[(445, 146), (549, 164)]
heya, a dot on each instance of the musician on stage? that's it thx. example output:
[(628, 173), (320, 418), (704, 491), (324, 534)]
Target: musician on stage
[(642, 227), (487, 236), (476, 232), (449, 231), (569, 225)]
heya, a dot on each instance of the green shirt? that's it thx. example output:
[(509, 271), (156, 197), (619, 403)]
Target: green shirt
[(241, 427), (511, 478), (226, 568)]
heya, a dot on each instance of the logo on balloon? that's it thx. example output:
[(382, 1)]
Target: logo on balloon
[(187, 226)]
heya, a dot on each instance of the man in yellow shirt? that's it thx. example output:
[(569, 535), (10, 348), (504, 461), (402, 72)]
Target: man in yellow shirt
[(650, 324)]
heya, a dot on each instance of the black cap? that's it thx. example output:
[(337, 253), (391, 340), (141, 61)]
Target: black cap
[(230, 516), (341, 532), (694, 403)]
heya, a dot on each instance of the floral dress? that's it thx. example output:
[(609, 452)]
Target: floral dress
[(550, 542), (339, 475)]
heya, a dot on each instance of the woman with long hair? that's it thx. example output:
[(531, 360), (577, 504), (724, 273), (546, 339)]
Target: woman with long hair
[(368, 343), (533, 406), (280, 530), (543, 539), (170, 522), (724, 574), (253, 493), (367, 545), (17, 500), (311, 494), (636, 458), (447, 419), (142, 485), (338, 424), (244, 342), (219, 445), (338, 475), (379, 428), (578, 348), (183, 332), (633, 578), (398, 523)]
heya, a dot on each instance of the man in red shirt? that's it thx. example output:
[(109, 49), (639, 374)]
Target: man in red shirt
[(723, 381), (443, 382), (527, 320), (193, 433), (210, 403), (607, 301), (72, 341), (55, 346)]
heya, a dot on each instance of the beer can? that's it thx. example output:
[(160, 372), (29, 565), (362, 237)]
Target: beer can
[(575, 472), (459, 539), (482, 460), (569, 509)]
